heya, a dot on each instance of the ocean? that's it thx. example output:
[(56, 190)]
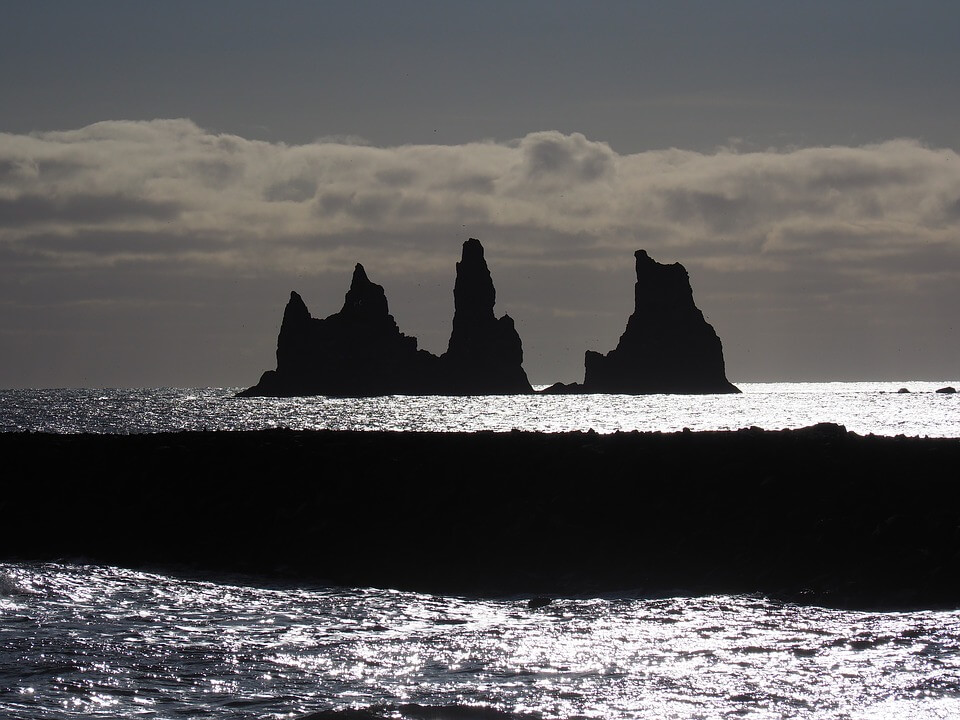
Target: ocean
[(85, 640), (863, 407)]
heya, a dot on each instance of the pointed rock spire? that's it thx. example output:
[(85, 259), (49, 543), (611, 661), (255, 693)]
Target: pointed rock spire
[(364, 298), (291, 343), (473, 293), (361, 351), (296, 310), (357, 351), (485, 354)]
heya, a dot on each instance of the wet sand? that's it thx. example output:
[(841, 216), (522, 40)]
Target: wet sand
[(817, 515)]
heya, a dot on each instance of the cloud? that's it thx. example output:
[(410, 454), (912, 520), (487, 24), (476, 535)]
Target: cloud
[(851, 208), (172, 176), (770, 237), (82, 209), (297, 189), (573, 158)]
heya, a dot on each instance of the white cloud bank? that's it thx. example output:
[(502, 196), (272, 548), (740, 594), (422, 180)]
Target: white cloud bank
[(787, 230), (172, 177)]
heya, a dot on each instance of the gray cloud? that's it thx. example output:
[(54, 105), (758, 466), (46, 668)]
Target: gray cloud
[(952, 211), (218, 174), (473, 184), (720, 213), (363, 206), (160, 246), (299, 189), (782, 245), (396, 177), (573, 157), (82, 209), (13, 172), (849, 175), (9, 171), (142, 176)]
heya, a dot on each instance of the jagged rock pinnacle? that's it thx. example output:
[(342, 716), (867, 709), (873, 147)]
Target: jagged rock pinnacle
[(361, 351), (473, 293), (484, 355), (364, 298), (667, 347), (296, 309)]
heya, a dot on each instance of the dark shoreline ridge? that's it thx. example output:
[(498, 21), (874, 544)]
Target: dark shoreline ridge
[(667, 347), (360, 351), (818, 515)]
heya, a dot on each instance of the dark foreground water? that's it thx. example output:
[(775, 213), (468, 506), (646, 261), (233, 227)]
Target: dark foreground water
[(867, 407), (93, 641)]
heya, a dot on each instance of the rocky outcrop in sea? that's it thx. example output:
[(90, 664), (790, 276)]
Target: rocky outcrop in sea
[(357, 351), (667, 347), (485, 354), (360, 351)]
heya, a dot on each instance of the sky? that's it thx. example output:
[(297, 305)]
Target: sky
[(169, 172)]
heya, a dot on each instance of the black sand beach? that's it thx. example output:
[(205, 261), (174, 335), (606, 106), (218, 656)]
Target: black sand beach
[(819, 515)]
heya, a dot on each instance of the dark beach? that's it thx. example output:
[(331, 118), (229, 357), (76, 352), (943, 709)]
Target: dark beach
[(818, 515)]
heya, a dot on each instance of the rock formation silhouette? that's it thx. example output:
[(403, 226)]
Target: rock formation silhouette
[(360, 351), (667, 347), (357, 351), (485, 354)]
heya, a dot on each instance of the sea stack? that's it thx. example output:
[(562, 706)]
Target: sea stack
[(485, 354), (358, 351), (667, 347)]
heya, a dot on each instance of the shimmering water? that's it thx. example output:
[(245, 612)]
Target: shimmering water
[(80, 641), (862, 407)]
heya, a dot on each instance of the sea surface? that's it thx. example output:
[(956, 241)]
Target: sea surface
[(80, 641), (93, 641), (863, 407)]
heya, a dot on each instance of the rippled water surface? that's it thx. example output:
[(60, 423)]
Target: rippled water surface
[(862, 407), (81, 641)]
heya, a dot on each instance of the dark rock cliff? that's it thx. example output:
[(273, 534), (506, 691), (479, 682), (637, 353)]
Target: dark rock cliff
[(360, 351), (667, 347)]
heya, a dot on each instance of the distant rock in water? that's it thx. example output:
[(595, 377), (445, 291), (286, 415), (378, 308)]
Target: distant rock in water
[(560, 388), (667, 347), (360, 351), (485, 354), (948, 390), (357, 351)]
